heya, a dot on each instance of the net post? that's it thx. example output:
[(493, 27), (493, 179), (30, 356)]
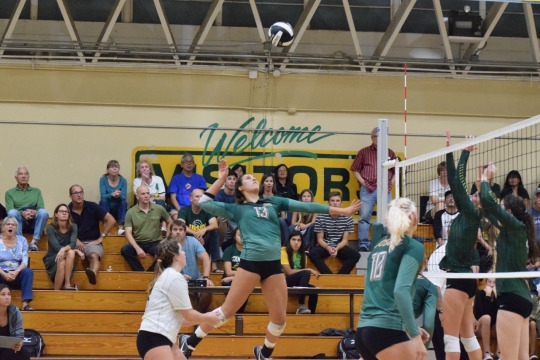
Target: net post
[(382, 172)]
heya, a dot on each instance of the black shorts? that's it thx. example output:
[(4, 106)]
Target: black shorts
[(146, 341), (468, 286), (371, 340), (515, 303), (265, 269)]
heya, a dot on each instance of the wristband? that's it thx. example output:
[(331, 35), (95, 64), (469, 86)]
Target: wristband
[(205, 277)]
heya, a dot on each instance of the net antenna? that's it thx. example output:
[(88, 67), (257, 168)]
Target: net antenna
[(513, 147)]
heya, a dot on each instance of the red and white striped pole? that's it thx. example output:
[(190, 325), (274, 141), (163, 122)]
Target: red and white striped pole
[(405, 110)]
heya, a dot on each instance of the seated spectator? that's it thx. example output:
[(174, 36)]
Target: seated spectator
[(514, 185), (203, 227), (154, 183), (231, 260), (267, 188), (14, 270), (11, 325), (88, 216), (240, 170), (285, 187), (333, 239), (194, 252), (60, 258), (437, 188), (143, 231), (113, 190), (304, 222), (293, 261), (495, 188), (182, 184), (3, 212), (485, 312), (226, 195), (25, 203), (443, 219)]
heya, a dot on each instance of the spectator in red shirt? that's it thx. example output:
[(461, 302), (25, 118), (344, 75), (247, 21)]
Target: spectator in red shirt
[(364, 168)]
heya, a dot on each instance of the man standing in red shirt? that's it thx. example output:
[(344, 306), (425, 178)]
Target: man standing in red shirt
[(364, 168)]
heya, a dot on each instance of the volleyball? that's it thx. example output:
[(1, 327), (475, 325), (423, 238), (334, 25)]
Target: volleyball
[(281, 34)]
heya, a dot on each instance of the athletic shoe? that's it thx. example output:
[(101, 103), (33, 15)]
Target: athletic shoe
[(257, 351), (303, 310), (497, 356), (121, 232), (184, 347), (487, 356), (533, 357), (33, 247)]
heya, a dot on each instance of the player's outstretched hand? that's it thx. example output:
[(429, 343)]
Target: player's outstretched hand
[(223, 168), (471, 147), (353, 207)]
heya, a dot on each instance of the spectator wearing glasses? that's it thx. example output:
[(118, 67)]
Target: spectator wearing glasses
[(14, 270), (183, 184), (88, 215), (60, 258)]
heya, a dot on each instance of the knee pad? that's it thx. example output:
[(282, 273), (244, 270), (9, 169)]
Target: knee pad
[(470, 344), (274, 329), (451, 344), (221, 316)]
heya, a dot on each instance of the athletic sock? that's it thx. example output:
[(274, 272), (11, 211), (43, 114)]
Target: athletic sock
[(266, 351)]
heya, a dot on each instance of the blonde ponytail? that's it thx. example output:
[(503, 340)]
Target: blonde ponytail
[(399, 220)]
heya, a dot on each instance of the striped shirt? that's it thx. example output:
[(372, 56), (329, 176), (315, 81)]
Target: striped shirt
[(333, 227), (365, 163)]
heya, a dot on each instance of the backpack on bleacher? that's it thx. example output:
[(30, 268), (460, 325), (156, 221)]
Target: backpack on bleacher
[(346, 348), (33, 342)]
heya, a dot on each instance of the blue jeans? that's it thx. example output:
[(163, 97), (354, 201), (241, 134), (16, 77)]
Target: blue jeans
[(369, 199), (117, 209), (37, 224), (23, 281), (129, 253)]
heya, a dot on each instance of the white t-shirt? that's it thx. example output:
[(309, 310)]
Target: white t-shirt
[(156, 186), (433, 266), (170, 294), (436, 189)]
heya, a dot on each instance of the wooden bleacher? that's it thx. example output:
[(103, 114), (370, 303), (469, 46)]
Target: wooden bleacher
[(101, 321)]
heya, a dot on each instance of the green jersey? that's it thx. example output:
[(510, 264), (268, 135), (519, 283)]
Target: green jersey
[(464, 229), (511, 245), (390, 283), (425, 303), (259, 223)]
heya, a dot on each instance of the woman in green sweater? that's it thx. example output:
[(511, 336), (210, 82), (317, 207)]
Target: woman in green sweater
[(516, 244), (258, 220)]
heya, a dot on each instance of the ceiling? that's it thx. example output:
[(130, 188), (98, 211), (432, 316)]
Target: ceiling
[(342, 36)]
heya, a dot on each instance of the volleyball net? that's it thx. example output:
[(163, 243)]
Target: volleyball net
[(514, 147)]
